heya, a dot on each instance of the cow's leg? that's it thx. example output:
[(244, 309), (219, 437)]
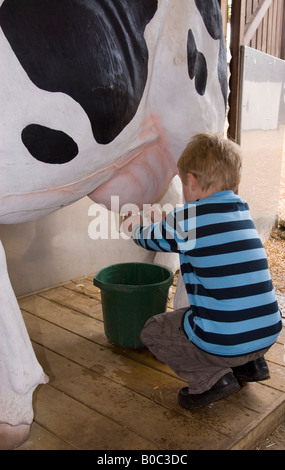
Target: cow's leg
[(20, 372)]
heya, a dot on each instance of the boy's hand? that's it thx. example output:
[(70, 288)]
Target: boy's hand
[(154, 213), (129, 222)]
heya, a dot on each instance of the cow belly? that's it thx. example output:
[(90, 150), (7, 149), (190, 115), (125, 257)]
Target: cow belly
[(141, 181), (139, 177)]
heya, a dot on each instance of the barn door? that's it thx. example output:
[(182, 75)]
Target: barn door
[(260, 25)]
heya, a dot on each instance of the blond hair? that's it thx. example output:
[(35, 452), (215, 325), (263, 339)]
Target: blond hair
[(214, 161)]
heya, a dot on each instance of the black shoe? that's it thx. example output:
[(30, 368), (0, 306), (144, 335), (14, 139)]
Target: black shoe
[(225, 386), (253, 371)]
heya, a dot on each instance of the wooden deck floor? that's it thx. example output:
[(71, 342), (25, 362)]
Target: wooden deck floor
[(108, 398)]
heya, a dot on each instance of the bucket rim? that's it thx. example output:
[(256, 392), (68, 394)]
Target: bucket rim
[(116, 286)]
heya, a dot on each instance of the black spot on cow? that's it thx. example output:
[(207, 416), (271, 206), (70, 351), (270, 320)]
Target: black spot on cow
[(197, 65), (212, 17), (49, 145), (94, 51)]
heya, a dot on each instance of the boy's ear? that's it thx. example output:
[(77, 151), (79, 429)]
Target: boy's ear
[(192, 180)]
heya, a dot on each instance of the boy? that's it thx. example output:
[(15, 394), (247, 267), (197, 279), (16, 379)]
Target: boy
[(233, 318)]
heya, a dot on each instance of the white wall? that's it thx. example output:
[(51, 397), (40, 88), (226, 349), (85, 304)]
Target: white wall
[(262, 136), (57, 248)]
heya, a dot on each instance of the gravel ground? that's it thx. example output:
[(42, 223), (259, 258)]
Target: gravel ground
[(275, 248)]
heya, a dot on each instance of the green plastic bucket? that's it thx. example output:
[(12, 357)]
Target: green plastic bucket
[(131, 293)]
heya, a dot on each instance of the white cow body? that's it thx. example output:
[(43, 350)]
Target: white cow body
[(136, 165)]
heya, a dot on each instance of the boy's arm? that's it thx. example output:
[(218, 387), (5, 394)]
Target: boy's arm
[(151, 237), (176, 233), (166, 235)]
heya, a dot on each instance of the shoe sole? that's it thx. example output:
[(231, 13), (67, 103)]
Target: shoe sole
[(245, 378), (234, 388)]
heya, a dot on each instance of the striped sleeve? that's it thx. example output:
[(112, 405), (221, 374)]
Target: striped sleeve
[(176, 233)]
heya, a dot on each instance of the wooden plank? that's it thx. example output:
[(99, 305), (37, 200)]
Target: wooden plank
[(106, 361), (69, 318), (135, 412), (257, 397), (75, 300), (276, 354), (66, 317), (281, 337), (259, 36), (277, 376), (224, 11), (255, 19), (80, 426), (278, 28), (88, 327), (84, 286), (89, 375), (41, 439), (264, 34), (248, 9), (253, 41), (282, 53), (93, 330), (143, 380), (273, 30), (270, 31), (250, 436), (237, 40)]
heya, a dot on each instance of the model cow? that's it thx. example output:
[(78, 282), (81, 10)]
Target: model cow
[(98, 98)]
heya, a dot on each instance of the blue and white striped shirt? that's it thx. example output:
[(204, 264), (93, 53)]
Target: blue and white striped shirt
[(233, 307)]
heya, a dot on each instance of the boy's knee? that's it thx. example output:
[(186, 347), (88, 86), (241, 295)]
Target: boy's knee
[(151, 329), (149, 325), (162, 325)]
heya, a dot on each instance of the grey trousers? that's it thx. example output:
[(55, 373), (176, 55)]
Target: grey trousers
[(165, 338)]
